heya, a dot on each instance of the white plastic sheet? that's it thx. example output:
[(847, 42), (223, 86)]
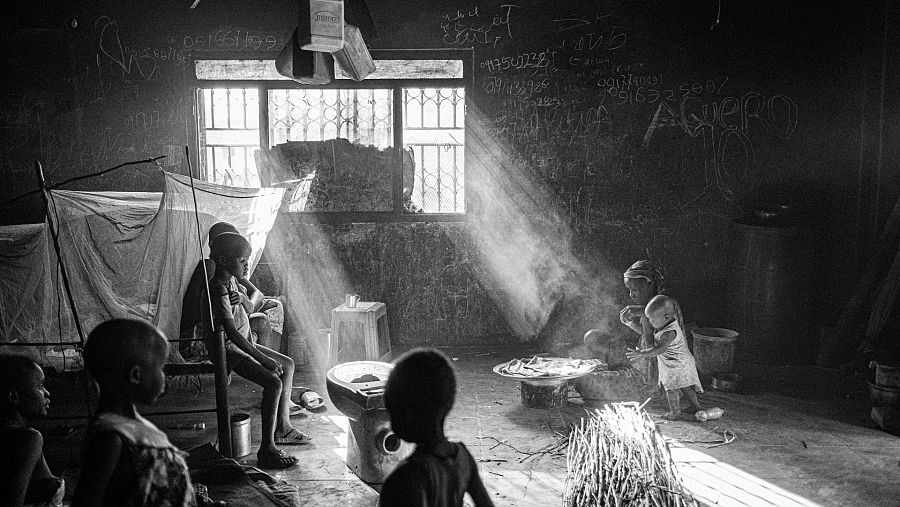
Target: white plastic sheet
[(127, 254)]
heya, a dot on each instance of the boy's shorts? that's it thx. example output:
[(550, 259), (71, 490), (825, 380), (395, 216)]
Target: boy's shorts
[(233, 354)]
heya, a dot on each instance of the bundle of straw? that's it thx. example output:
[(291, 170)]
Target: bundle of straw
[(617, 457)]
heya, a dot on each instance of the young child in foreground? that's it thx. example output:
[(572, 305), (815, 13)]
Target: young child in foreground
[(418, 396), (25, 478), (677, 369), (271, 370), (127, 459)]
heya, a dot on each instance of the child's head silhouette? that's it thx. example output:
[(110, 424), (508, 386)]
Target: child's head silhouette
[(662, 310), (126, 356), (219, 228), (229, 244), (231, 252), (22, 387), (419, 394)]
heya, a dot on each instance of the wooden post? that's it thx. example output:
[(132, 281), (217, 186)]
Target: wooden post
[(223, 412), (62, 266)]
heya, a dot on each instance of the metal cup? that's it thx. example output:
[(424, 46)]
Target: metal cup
[(350, 300)]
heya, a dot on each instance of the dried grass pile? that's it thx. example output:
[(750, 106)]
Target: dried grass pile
[(617, 457)]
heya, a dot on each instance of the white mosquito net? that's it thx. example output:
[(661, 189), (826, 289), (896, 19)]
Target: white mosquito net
[(127, 254)]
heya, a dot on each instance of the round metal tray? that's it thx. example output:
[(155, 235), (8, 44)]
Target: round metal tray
[(544, 380)]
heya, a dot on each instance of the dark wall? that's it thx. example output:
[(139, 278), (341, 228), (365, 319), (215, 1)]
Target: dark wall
[(599, 133)]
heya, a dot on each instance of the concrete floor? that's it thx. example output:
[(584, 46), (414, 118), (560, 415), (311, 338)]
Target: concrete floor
[(803, 437)]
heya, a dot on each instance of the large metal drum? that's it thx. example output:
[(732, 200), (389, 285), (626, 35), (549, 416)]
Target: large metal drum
[(770, 282)]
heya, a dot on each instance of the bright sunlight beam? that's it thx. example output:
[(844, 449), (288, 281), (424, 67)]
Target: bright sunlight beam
[(714, 482)]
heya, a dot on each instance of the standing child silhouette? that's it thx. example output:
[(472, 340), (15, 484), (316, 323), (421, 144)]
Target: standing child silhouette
[(418, 396), (127, 459)]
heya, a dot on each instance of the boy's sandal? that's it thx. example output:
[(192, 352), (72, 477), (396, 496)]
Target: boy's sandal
[(293, 437), (307, 398), (278, 460)]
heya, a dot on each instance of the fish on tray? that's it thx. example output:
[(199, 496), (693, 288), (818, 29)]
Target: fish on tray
[(550, 367)]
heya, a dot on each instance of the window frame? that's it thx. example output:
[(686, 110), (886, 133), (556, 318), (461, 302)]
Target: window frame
[(397, 213)]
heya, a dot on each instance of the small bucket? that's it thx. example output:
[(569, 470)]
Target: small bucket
[(240, 434), (887, 375), (714, 350), (884, 396)]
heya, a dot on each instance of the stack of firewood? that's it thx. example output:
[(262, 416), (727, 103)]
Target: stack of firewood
[(617, 457)]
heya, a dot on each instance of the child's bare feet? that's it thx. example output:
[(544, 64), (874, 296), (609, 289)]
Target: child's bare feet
[(672, 416)]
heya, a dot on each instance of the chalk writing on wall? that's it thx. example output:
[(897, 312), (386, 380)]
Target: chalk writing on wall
[(534, 60), (136, 61), (724, 126), (232, 40), (477, 26), (589, 35)]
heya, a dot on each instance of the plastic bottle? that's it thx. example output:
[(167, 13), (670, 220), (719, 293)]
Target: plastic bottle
[(709, 414)]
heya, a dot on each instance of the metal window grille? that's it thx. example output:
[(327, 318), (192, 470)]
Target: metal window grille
[(358, 115), (434, 128), (229, 136)]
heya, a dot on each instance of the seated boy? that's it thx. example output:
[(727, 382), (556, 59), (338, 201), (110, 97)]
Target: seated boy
[(418, 396), (271, 370), (266, 314)]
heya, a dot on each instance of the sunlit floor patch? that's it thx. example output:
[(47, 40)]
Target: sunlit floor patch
[(343, 424), (714, 482)]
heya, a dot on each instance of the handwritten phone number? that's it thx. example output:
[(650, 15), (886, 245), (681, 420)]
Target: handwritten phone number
[(628, 94), (498, 85)]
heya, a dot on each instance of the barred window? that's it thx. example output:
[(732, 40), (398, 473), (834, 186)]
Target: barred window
[(359, 115), (229, 135), (434, 129), (347, 133)]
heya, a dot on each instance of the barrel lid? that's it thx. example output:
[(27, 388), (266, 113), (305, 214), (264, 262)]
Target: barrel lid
[(715, 333), (770, 216)]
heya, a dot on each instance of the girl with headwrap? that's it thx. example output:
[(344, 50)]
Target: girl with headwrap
[(644, 280)]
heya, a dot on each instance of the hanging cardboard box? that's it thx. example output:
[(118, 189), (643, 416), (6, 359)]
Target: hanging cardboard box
[(354, 58), (306, 67), (321, 25)]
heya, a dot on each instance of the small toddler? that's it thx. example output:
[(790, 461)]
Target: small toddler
[(677, 369)]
